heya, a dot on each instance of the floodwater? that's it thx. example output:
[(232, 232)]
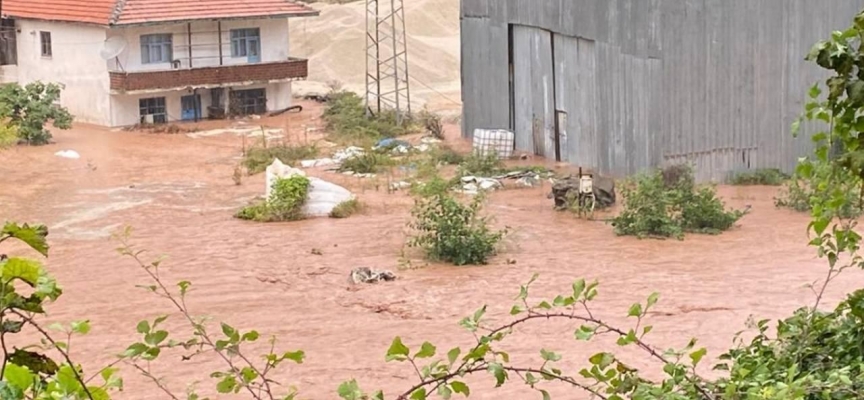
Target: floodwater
[(178, 195)]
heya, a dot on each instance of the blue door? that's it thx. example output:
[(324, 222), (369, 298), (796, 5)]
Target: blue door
[(190, 107)]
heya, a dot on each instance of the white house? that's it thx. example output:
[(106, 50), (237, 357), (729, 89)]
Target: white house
[(125, 62)]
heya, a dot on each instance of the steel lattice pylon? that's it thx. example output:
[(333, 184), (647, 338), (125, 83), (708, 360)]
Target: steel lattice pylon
[(387, 59)]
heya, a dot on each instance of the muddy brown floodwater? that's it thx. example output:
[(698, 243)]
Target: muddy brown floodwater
[(178, 195)]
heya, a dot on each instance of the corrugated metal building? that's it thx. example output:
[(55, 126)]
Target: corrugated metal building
[(618, 86)]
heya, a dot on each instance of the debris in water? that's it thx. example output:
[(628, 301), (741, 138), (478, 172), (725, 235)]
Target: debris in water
[(319, 162), (348, 152), (68, 154), (473, 184), (369, 275), (394, 186)]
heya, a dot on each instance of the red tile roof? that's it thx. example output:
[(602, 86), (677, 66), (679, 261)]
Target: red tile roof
[(131, 12)]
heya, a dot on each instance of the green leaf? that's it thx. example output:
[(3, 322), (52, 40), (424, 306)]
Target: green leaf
[(397, 350), (143, 327), (419, 394), (226, 385), (97, 393), (296, 356), (184, 287), (453, 354), (26, 270), (585, 332), (33, 236), (19, 376), (151, 353), (814, 92), (697, 355), (549, 355), (516, 310), (497, 370), (426, 350), (578, 288), (602, 360), (229, 331), (250, 336), (460, 388), (248, 374), (10, 326), (647, 329), (159, 320), (445, 392), (155, 338), (81, 327), (350, 390), (545, 395), (479, 314), (545, 305), (652, 300), (635, 310), (135, 350)]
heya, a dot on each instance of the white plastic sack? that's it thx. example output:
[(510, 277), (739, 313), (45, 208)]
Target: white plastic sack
[(324, 197), (68, 154)]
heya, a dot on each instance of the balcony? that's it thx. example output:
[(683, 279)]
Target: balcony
[(211, 76)]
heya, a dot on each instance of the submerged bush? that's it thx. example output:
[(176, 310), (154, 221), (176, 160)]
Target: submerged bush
[(450, 231), (370, 162), (346, 209), (481, 165), (667, 203), (258, 158), (800, 192), (764, 176), (285, 203), (8, 136), (345, 116)]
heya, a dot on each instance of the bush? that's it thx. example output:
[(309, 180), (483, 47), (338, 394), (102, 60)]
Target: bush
[(765, 177), (285, 203), (432, 124), (30, 107), (346, 209), (667, 203), (450, 231), (257, 159), (8, 136), (800, 192), (345, 116), (480, 165), (434, 186), (447, 156), (370, 162)]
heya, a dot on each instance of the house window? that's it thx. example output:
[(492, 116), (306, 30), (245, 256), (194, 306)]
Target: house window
[(156, 48), (245, 42), (250, 101), (155, 107), (45, 42)]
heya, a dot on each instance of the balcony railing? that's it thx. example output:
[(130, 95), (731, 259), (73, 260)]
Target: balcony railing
[(290, 69)]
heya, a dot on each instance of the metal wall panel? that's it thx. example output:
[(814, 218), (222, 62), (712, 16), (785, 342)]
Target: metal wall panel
[(714, 82)]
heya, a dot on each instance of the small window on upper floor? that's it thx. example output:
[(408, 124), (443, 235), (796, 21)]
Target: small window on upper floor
[(157, 48), (45, 42), (246, 43)]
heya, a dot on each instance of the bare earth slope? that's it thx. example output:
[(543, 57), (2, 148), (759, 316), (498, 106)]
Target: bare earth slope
[(335, 44)]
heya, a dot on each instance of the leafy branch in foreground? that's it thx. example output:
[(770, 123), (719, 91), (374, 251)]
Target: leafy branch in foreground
[(607, 377), (240, 373)]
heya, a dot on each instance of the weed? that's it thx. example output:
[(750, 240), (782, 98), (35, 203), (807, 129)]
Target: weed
[(481, 165), (346, 209), (258, 158), (667, 203), (764, 176), (446, 155), (285, 203), (432, 124), (345, 116), (434, 186), (450, 231), (799, 193), (370, 162), (8, 136)]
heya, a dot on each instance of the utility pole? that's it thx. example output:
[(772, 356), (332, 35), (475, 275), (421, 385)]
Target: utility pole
[(387, 85)]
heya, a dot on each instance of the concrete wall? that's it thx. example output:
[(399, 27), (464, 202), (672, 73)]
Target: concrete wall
[(205, 43), (645, 82), (75, 63), (125, 107)]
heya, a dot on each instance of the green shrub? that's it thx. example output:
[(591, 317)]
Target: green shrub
[(257, 159), (346, 209), (434, 186), (764, 176), (480, 165), (370, 162), (450, 231), (667, 203), (8, 136), (285, 203), (30, 107), (799, 193), (447, 156), (345, 117)]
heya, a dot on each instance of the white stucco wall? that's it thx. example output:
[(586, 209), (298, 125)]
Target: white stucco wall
[(125, 108), (75, 62), (205, 43)]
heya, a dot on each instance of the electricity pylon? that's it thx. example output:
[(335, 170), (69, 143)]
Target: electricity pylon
[(387, 59)]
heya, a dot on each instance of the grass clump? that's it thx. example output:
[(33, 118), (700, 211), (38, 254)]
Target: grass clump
[(763, 176), (446, 155), (480, 165), (799, 193), (285, 203), (258, 158), (346, 209), (370, 162), (345, 116), (668, 203), (450, 231), (8, 136), (434, 186)]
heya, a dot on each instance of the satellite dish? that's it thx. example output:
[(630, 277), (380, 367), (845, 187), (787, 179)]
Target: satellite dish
[(112, 47)]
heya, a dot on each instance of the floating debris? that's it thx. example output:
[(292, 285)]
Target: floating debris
[(68, 154), (369, 275)]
